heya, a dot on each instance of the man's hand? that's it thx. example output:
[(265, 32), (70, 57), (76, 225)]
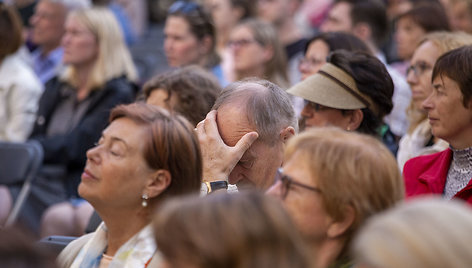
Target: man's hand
[(219, 159)]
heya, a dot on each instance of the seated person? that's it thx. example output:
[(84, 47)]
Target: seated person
[(74, 109), (332, 181), (423, 233), (191, 91), (352, 91), (128, 174), (244, 136), (20, 88), (200, 233), (190, 38), (449, 107)]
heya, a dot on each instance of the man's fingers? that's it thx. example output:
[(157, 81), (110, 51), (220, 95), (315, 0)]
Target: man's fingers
[(245, 142), (210, 123)]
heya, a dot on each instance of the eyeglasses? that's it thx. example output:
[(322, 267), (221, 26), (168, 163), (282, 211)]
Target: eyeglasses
[(240, 42), (288, 182), (419, 68), (310, 62), (183, 7)]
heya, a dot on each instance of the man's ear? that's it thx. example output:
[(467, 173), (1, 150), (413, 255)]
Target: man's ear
[(339, 227), (355, 119), (158, 183), (287, 133)]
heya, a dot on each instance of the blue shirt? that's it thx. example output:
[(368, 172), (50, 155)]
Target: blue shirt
[(47, 67)]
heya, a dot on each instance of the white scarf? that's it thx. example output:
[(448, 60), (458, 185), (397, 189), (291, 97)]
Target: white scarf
[(136, 252)]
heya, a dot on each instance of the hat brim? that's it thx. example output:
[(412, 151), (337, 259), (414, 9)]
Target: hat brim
[(322, 90)]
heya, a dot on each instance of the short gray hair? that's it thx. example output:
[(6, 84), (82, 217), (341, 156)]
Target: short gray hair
[(267, 106), (72, 5)]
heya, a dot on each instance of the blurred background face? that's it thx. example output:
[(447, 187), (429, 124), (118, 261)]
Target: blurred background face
[(224, 15), (407, 35), (339, 19), (249, 55), (273, 11), (315, 57), (80, 44), (460, 16), (180, 44), (420, 72), (48, 24)]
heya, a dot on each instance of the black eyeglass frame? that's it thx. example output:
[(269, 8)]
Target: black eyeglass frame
[(288, 181)]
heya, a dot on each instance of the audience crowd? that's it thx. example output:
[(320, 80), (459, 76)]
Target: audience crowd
[(282, 133)]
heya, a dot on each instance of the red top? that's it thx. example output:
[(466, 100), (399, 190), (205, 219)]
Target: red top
[(427, 175)]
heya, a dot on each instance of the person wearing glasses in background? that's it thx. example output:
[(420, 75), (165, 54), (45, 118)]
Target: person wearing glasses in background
[(419, 139), (190, 38), (449, 108), (332, 181), (352, 91)]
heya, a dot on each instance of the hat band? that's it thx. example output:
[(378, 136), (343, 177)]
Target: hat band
[(347, 88)]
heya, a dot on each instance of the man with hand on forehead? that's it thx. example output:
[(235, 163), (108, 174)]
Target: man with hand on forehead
[(242, 138)]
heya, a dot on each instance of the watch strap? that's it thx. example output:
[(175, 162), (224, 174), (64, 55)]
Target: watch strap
[(216, 185)]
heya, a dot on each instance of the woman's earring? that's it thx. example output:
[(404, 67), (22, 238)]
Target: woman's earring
[(144, 203)]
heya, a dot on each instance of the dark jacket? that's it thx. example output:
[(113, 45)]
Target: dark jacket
[(69, 150)]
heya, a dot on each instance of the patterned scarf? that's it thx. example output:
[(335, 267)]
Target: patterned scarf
[(136, 252)]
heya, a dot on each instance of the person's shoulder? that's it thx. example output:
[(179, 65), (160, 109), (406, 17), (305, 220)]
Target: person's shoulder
[(121, 85), (70, 252), (424, 162)]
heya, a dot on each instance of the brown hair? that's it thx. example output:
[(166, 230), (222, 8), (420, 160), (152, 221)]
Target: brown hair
[(352, 169), (444, 42), (275, 70), (10, 31), (195, 88), (457, 65), (242, 230), (171, 144), (201, 25), (429, 16)]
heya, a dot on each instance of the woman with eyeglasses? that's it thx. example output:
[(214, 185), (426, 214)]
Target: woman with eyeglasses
[(449, 110), (318, 48), (331, 182), (419, 139), (190, 38), (258, 53)]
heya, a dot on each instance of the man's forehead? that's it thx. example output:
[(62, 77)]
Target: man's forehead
[(232, 123)]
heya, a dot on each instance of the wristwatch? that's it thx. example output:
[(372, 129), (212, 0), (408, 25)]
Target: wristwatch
[(214, 185)]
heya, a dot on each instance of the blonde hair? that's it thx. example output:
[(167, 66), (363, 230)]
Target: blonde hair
[(444, 42), (275, 70), (114, 58), (426, 232), (352, 169)]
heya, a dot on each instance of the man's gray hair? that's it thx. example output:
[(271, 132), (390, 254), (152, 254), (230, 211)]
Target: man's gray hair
[(267, 106), (72, 5)]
